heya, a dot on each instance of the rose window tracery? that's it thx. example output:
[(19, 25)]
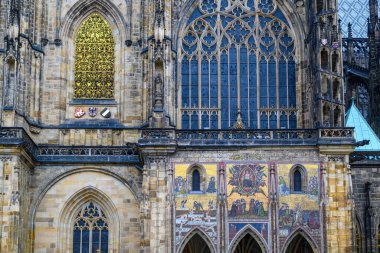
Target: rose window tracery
[(236, 57)]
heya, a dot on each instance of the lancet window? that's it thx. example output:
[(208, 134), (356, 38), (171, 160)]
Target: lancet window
[(90, 230), (237, 61), (94, 60)]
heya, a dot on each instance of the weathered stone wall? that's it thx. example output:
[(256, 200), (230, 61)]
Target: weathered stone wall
[(59, 192), (367, 206), (15, 178)]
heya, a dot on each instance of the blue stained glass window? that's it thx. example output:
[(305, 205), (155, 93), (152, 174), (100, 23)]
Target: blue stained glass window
[(293, 121), (264, 121), (244, 69), (90, 233), (205, 121), (185, 120), (263, 83), (297, 181), (196, 181), (205, 83), (194, 121), (273, 121), (272, 83), (283, 121), (185, 83), (283, 90)]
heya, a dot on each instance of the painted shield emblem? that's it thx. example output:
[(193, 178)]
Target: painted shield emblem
[(79, 112), (335, 45), (106, 113), (92, 111), (324, 42)]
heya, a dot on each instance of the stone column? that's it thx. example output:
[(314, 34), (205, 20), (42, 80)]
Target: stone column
[(222, 210), (155, 196), (14, 208), (339, 208), (273, 203)]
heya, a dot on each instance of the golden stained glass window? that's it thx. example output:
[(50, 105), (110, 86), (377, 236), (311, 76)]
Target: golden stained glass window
[(94, 60)]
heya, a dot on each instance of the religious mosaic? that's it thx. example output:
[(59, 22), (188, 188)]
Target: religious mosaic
[(94, 60), (247, 191), (298, 209), (195, 208), (259, 227)]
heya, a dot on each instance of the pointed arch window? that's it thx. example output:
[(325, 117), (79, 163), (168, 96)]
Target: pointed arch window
[(90, 233), (237, 64), (196, 181), (94, 59), (297, 181)]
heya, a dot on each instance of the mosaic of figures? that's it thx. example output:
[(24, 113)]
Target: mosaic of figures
[(195, 208), (247, 191), (298, 208), (260, 228)]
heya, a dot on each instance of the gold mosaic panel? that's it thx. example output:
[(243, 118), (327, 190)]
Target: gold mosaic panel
[(94, 60)]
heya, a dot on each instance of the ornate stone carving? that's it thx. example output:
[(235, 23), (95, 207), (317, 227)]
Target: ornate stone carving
[(336, 159)]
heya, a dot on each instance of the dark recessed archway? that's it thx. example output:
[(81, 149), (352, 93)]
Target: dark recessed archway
[(248, 244), (299, 245), (196, 245)]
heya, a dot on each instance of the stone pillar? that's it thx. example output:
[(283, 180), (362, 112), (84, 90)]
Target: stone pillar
[(222, 210), (14, 208), (155, 197), (339, 205), (273, 204)]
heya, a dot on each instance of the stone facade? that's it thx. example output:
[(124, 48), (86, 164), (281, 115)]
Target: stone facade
[(131, 160)]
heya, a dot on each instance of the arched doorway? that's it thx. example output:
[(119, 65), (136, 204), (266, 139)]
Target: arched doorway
[(196, 245), (248, 244), (299, 244)]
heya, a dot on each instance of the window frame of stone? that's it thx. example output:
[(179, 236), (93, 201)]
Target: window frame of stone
[(202, 176), (74, 205), (304, 179), (68, 30)]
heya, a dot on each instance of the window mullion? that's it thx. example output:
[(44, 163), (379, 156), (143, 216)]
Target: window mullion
[(238, 77), (90, 239)]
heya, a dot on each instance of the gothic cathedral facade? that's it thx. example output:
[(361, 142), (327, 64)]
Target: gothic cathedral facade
[(174, 126)]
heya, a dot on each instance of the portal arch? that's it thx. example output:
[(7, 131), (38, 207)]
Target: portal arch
[(196, 241), (248, 239), (300, 242)]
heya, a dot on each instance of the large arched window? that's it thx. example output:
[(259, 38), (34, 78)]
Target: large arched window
[(94, 60), (90, 230), (236, 58)]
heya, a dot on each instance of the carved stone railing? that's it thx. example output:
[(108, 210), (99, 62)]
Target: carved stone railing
[(68, 154), (88, 154), (157, 137), (336, 132), (245, 137)]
